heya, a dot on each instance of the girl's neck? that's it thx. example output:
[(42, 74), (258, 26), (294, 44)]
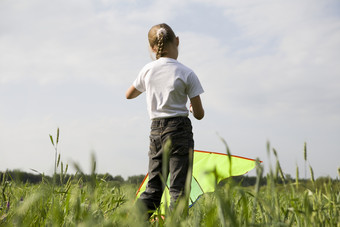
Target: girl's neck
[(170, 56), (172, 52)]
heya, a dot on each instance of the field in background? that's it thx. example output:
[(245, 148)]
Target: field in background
[(106, 203)]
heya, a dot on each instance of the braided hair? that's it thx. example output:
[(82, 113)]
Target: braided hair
[(159, 36)]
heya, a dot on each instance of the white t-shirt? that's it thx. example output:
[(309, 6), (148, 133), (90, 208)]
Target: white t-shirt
[(167, 84)]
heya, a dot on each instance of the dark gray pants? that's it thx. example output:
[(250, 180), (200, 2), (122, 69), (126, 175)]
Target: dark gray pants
[(179, 131)]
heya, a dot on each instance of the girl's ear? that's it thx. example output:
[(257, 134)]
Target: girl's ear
[(177, 41), (152, 53)]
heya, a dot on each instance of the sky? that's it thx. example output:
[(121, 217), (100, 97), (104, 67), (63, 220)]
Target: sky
[(270, 71)]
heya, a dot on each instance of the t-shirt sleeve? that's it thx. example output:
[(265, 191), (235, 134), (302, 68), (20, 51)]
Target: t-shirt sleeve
[(194, 86), (139, 82)]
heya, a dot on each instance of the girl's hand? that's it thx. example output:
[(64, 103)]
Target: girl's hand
[(190, 108)]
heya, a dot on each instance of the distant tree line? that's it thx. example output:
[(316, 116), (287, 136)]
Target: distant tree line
[(25, 177)]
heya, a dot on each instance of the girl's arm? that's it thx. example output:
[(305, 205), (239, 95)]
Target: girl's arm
[(132, 92), (196, 107)]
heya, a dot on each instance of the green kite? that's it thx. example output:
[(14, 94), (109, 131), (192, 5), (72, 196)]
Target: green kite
[(209, 168)]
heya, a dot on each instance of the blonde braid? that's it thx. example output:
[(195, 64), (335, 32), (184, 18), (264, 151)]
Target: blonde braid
[(161, 35)]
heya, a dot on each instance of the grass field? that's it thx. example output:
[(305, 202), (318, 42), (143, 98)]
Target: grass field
[(100, 203), (97, 202)]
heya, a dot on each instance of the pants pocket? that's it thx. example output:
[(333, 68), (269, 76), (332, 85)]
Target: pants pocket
[(181, 142)]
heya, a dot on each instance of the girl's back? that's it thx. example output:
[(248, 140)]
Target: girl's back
[(168, 84)]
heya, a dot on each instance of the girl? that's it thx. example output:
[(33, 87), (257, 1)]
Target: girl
[(167, 84)]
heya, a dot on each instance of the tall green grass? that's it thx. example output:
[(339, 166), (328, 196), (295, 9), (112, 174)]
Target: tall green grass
[(97, 202)]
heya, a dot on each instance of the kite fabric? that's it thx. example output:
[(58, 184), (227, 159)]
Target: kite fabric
[(209, 168)]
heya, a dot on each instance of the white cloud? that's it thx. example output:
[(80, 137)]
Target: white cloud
[(289, 46), (56, 41)]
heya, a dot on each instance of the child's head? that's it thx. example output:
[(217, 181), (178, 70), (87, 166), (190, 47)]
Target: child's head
[(160, 36)]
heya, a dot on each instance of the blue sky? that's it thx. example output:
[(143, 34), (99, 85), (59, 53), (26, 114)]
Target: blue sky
[(270, 70)]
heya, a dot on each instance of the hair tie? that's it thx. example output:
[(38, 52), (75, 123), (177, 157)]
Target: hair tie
[(161, 31)]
